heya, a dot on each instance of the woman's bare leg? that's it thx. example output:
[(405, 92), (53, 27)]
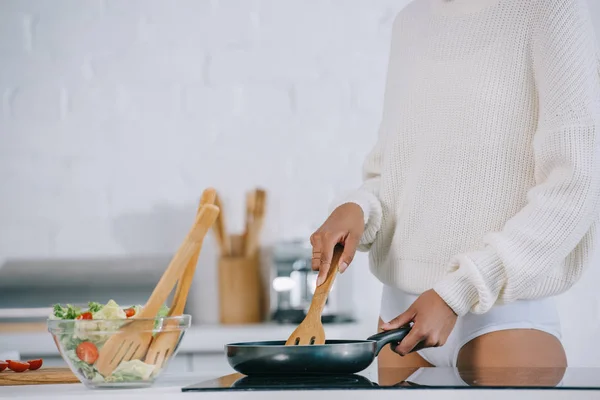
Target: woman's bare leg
[(393, 368), (523, 357)]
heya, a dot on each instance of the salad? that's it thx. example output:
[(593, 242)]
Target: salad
[(81, 341)]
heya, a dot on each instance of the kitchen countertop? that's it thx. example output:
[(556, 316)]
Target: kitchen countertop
[(197, 339), (170, 385)]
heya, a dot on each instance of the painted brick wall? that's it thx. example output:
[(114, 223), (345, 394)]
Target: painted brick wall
[(115, 114)]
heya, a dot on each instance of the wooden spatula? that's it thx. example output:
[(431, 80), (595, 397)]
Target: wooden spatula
[(220, 230), (250, 207), (208, 196), (164, 343), (132, 342), (258, 216), (311, 331)]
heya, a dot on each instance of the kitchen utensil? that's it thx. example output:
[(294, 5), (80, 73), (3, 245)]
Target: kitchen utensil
[(258, 214), (311, 331), (79, 340), (133, 340), (208, 196), (240, 289), (250, 206), (42, 376), (220, 229), (333, 357), (237, 246), (164, 343)]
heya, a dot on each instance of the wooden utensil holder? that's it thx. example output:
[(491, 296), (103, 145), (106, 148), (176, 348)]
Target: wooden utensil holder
[(240, 289)]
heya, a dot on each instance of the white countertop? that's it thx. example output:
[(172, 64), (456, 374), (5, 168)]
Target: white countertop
[(197, 339), (170, 387), (207, 338)]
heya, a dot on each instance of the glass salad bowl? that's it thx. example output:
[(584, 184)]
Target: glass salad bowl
[(80, 337)]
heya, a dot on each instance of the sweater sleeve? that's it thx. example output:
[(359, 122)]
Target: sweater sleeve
[(367, 195), (564, 202)]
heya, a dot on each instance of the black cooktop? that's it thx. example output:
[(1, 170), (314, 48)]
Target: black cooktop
[(429, 378)]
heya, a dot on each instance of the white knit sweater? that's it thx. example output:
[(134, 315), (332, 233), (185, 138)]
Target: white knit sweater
[(484, 183)]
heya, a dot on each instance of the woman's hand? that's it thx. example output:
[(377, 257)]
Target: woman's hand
[(345, 225), (433, 322)]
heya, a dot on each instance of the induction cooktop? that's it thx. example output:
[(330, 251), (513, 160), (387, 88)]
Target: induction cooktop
[(428, 378)]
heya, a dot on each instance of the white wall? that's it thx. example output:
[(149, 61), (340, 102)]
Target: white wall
[(116, 114)]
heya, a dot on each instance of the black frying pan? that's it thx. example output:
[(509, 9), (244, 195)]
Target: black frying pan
[(333, 357)]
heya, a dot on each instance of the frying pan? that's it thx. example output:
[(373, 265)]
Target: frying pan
[(333, 357)]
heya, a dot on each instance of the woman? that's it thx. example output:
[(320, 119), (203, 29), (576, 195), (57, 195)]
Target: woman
[(480, 198)]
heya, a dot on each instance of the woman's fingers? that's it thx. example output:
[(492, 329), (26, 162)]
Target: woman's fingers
[(350, 245), (401, 320), (315, 241), (326, 256), (322, 253), (344, 225), (412, 339), (410, 342)]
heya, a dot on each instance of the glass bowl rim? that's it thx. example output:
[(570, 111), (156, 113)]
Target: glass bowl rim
[(185, 318)]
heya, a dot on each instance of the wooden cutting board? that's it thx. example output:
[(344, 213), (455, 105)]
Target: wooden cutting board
[(42, 376)]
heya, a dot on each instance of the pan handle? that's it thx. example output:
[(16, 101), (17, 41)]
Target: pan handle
[(394, 336)]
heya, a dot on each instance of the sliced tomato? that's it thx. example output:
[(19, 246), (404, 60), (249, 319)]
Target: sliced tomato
[(130, 312), (3, 365), (87, 352), (17, 366), (35, 364), (85, 315)]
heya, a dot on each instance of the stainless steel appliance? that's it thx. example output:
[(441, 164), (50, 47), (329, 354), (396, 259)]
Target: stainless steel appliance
[(293, 282)]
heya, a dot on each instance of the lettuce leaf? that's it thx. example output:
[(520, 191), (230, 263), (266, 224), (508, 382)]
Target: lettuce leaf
[(110, 311), (162, 313), (68, 312), (94, 307), (134, 370)]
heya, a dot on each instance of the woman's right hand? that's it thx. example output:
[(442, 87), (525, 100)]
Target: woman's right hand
[(345, 225)]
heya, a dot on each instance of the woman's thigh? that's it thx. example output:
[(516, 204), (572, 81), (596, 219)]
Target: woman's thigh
[(393, 368), (523, 357)]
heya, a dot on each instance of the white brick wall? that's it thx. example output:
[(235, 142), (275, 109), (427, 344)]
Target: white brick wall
[(115, 114)]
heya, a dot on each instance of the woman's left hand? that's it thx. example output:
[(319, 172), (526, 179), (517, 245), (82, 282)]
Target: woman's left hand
[(433, 321)]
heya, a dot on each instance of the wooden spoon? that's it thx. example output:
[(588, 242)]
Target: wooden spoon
[(132, 341), (220, 229), (208, 196), (250, 209), (311, 331), (258, 215), (164, 343)]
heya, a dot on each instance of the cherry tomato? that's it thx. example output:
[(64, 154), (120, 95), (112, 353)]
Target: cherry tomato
[(130, 312), (17, 366), (35, 364), (3, 365), (85, 315), (87, 352)]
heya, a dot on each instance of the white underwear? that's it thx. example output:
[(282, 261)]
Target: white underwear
[(539, 314), (448, 377)]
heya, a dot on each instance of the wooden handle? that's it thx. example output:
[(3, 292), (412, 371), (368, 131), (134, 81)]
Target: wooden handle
[(253, 231), (321, 292), (209, 196), (206, 217), (248, 229), (221, 231), (184, 284)]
